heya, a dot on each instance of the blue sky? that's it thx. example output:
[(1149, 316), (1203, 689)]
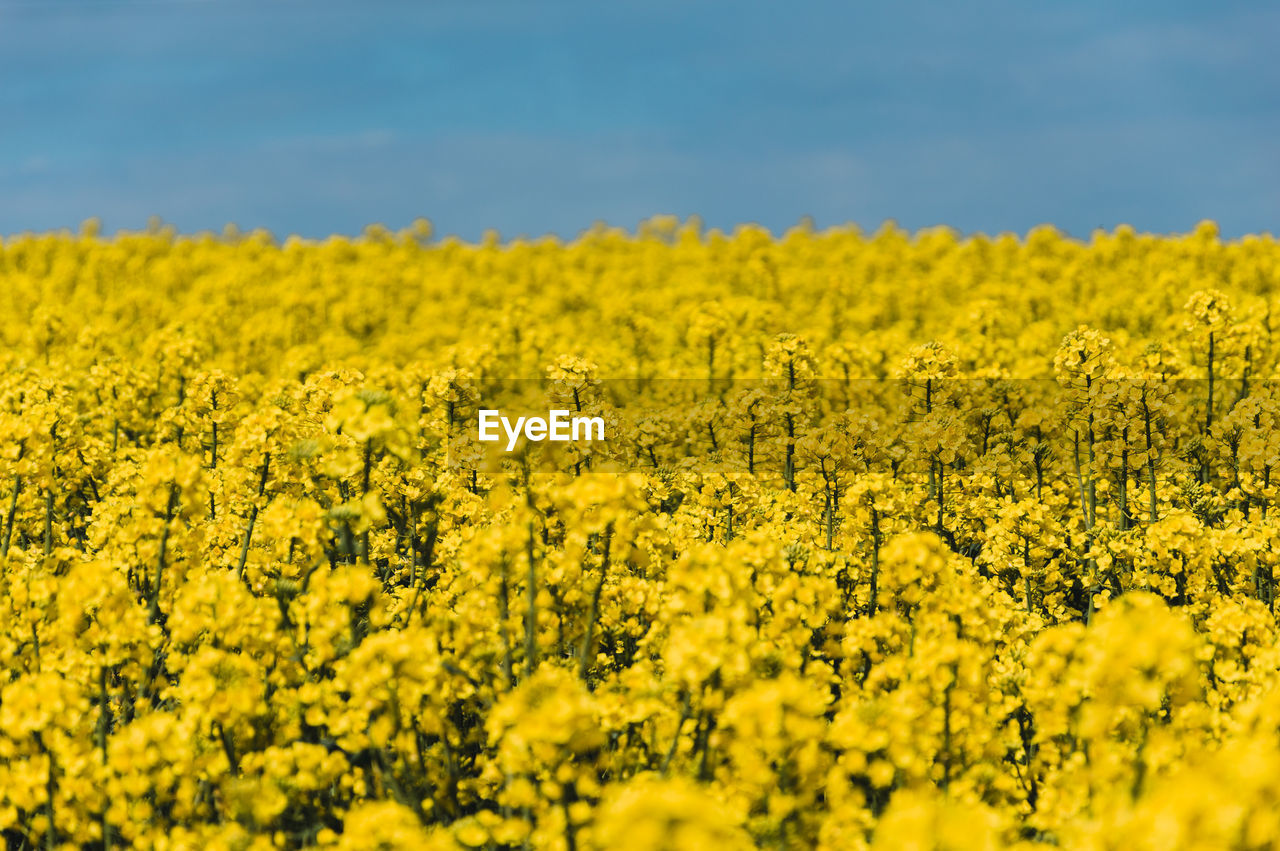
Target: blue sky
[(316, 117)]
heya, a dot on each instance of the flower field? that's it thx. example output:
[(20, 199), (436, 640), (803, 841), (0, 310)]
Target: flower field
[(895, 541)]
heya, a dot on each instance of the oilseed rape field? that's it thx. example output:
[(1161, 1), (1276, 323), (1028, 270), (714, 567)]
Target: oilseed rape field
[(889, 540)]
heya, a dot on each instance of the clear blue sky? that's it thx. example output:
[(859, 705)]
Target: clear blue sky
[(313, 117)]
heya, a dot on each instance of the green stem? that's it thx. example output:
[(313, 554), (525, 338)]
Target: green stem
[(585, 651)]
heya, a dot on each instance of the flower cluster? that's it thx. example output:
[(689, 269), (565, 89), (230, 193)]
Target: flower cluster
[(916, 541)]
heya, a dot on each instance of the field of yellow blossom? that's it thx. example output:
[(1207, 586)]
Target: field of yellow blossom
[(897, 541)]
